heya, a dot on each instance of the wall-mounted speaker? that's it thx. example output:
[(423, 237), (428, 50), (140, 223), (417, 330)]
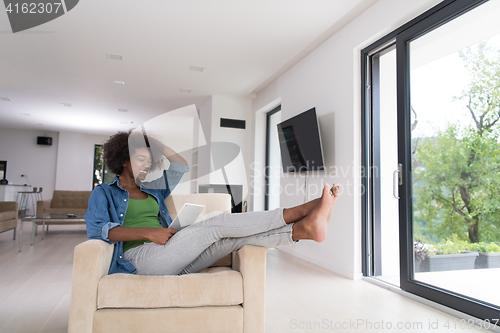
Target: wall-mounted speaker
[(44, 140), (232, 123)]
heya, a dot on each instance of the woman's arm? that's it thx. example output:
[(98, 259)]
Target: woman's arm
[(173, 156), (156, 235)]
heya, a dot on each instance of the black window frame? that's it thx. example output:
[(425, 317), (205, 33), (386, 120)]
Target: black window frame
[(268, 157)]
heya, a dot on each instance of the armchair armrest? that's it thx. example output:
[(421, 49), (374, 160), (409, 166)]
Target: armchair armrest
[(6, 206), (91, 262), (250, 261), (41, 206)]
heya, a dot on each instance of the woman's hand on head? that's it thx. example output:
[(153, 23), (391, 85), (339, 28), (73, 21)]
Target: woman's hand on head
[(160, 235)]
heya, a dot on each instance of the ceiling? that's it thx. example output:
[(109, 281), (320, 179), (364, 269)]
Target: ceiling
[(242, 46)]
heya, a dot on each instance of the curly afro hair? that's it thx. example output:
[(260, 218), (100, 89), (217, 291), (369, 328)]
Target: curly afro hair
[(119, 146)]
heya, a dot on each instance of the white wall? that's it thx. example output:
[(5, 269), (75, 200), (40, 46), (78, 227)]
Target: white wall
[(329, 79), (178, 130), (204, 155), (66, 165), (233, 108), (238, 171), (75, 160), (24, 156)]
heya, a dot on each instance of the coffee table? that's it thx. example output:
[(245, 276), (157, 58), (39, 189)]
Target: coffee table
[(46, 220)]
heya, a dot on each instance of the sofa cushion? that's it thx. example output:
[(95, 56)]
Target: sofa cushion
[(70, 199), (63, 212), (9, 215), (214, 286)]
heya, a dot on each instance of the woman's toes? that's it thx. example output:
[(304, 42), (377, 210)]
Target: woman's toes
[(325, 189), (334, 190)]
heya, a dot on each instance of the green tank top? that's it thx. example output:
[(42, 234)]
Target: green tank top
[(141, 213)]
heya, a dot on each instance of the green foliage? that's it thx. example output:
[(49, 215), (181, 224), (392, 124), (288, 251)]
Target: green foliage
[(485, 247), (482, 94), (450, 248), (98, 164), (455, 247), (459, 174), (101, 172), (422, 232), (457, 189)]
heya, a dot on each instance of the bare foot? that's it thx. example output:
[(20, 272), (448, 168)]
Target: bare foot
[(297, 213), (315, 225), (334, 191)]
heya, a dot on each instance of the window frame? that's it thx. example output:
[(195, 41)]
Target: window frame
[(268, 157)]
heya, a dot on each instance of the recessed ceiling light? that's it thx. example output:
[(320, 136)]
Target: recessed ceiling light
[(123, 110), (26, 114), (196, 68), (185, 90), (66, 105), (114, 56), (6, 99), (119, 82)]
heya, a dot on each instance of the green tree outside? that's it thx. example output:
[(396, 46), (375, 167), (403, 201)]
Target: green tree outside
[(458, 173)]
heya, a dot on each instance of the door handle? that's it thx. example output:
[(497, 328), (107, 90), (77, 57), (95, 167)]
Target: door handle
[(397, 179)]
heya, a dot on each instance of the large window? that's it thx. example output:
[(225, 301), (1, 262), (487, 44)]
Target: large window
[(3, 169), (446, 165), (101, 172)]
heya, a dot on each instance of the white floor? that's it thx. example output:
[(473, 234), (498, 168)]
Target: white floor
[(301, 297), (476, 283)]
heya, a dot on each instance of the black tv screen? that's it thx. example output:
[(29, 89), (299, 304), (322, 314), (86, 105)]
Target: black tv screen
[(300, 143)]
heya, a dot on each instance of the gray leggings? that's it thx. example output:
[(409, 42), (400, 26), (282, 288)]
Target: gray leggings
[(204, 243)]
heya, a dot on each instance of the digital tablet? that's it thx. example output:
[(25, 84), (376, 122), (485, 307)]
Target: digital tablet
[(186, 216)]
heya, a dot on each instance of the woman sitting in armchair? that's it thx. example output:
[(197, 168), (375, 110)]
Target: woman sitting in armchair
[(131, 213)]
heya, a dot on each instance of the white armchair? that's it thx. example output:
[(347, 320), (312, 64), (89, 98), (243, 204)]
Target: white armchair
[(227, 297)]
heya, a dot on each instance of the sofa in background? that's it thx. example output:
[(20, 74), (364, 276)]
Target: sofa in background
[(63, 203), (8, 216), (228, 297)]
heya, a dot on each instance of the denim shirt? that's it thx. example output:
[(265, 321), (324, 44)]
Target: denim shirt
[(108, 205)]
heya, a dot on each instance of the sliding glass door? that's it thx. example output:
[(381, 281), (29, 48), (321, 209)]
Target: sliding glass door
[(447, 176), (451, 158), (384, 240)]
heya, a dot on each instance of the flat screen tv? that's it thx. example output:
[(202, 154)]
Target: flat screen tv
[(300, 143)]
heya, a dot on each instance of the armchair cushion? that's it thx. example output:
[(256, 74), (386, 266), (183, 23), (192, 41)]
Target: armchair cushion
[(4, 216), (217, 319), (216, 286), (8, 216)]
